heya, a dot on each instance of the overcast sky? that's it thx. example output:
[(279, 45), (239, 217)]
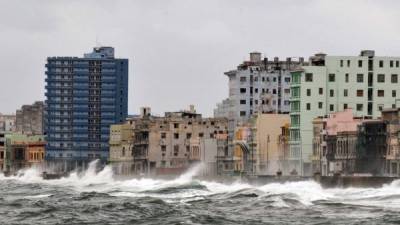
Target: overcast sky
[(178, 50)]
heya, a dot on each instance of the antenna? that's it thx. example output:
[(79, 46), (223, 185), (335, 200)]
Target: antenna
[(97, 42)]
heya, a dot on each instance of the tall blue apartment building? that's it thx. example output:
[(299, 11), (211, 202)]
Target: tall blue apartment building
[(84, 96)]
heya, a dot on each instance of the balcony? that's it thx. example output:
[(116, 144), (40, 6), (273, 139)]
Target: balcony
[(141, 142), (83, 79), (81, 86)]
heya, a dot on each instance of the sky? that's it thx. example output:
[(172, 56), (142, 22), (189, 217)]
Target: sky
[(178, 51)]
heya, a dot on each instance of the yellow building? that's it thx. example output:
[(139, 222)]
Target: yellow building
[(260, 145), (121, 139)]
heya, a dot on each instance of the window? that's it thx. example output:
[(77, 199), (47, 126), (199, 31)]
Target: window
[(176, 125), (256, 90), (393, 93), (345, 93), (176, 135), (391, 63), (331, 93), (320, 105), (380, 107), (360, 78), (397, 63), (242, 79), (287, 79), (381, 93), (163, 135), (163, 148), (242, 90), (381, 78), (394, 78), (331, 77), (176, 150), (348, 63), (242, 113), (359, 107), (341, 63), (243, 102), (321, 91), (347, 77), (201, 135), (309, 77), (331, 107), (188, 135), (360, 93), (274, 91), (308, 92), (287, 91), (345, 106), (308, 106), (360, 63), (381, 63)]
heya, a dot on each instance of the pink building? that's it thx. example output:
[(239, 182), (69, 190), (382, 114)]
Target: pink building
[(341, 122), (334, 143)]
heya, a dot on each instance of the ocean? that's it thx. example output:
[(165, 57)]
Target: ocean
[(94, 197)]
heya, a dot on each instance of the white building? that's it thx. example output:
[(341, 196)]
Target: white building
[(258, 85)]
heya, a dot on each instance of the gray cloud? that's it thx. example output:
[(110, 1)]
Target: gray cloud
[(178, 50)]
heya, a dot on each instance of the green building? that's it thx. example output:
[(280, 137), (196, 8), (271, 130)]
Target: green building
[(365, 83)]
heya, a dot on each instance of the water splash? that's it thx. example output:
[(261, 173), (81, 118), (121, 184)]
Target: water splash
[(187, 188), (190, 173)]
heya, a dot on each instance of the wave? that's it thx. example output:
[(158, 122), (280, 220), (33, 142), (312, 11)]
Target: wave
[(186, 188)]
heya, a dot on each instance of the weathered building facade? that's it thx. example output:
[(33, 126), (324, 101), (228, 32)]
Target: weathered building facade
[(334, 143), (121, 148), (7, 126), (392, 119), (23, 151), (29, 119), (171, 144), (372, 148), (260, 146), (365, 83)]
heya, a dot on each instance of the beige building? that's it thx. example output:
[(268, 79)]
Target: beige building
[(121, 145), (392, 118), (170, 144), (268, 131), (260, 145), (7, 126)]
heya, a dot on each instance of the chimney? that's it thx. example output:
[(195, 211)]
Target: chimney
[(145, 112), (192, 109), (255, 57)]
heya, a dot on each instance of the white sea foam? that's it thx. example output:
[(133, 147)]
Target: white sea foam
[(186, 188)]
